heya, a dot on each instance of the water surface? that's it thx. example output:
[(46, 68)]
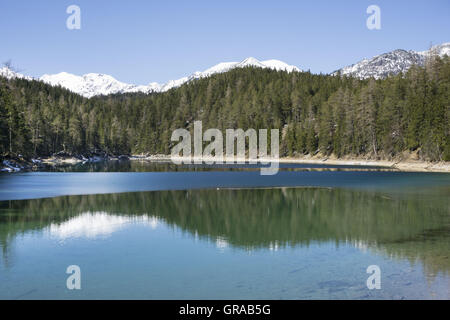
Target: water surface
[(229, 234)]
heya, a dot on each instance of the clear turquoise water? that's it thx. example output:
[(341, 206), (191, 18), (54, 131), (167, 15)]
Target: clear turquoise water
[(232, 234)]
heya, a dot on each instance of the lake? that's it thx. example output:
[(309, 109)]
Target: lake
[(141, 230)]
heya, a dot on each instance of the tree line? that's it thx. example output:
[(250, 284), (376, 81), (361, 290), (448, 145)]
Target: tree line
[(316, 114)]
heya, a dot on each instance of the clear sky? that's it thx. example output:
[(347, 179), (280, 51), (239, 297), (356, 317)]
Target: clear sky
[(143, 41)]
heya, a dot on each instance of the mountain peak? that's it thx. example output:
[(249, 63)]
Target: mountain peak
[(92, 84), (392, 63), (250, 61), (280, 65)]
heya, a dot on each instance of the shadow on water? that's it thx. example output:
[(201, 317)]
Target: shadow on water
[(401, 226)]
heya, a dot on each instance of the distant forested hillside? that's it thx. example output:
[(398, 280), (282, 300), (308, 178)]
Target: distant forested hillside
[(315, 113)]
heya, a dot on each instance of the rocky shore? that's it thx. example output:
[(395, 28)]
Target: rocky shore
[(18, 163)]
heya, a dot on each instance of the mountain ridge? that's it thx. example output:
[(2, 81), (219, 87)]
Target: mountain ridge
[(93, 84), (391, 63)]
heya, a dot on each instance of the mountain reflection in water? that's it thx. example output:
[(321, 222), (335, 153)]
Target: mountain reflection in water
[(401, 226)]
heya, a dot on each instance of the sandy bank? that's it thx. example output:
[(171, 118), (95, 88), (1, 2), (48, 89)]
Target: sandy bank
[(405, 165)]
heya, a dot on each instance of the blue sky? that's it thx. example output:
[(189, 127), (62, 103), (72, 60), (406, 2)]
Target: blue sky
[(143, 41)]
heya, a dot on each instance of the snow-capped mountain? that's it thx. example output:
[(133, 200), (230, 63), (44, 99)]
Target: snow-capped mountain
[(392, 62), (93, 84), (9, 74), (227, 66)]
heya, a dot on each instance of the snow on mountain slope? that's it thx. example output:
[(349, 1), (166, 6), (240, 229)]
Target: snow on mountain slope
[(221, 67), (440, 50), (392, 62), (385, 64), (10, 74), (227, 66), (93, 84), (250, 62), (280, 65)]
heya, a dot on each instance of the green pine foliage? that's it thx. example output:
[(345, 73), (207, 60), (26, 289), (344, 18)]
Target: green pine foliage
[(316, 114)]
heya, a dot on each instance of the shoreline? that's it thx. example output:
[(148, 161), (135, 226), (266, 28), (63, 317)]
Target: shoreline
[(400, 165)]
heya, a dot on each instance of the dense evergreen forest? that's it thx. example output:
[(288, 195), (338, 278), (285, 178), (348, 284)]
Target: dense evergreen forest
[(322, 114)]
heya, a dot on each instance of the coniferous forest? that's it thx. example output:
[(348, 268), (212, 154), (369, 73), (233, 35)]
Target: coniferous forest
[(316, 114)]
